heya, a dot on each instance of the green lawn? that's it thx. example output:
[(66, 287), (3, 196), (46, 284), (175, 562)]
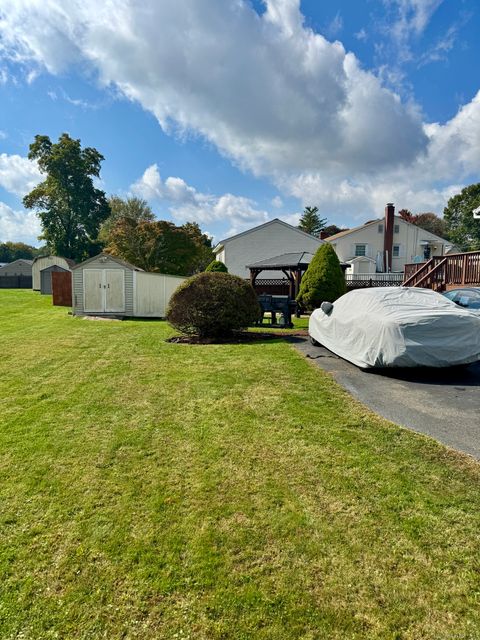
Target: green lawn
[(153, 490)]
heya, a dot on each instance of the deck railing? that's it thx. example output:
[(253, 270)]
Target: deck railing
[(442, 272)]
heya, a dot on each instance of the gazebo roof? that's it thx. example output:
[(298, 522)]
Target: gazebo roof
[(287, 261), (299, 260)]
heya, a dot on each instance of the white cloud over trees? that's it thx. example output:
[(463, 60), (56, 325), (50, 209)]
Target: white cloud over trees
[(272, 95)]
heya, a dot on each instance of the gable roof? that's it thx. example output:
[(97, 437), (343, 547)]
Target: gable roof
[(347, 232), (262, 226), (19, 260), (109, 257), (341, 234)]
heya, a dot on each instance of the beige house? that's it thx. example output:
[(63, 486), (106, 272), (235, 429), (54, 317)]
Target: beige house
[(386, 245), (271, 239)]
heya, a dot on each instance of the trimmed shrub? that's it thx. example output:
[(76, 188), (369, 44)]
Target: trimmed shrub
[(213, 305), (323, 280), (217, 266)]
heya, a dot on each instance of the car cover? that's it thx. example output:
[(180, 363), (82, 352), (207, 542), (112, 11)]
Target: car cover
[(398, 327)]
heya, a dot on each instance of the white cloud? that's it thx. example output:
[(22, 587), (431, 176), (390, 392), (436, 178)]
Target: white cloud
[(288, 100), (277, 202), (18, 226), (335, 26), (361, 35), (3, 135), (18, 175), (268, 92), (188, 204)]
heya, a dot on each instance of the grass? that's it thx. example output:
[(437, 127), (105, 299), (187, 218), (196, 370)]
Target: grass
[(153, 490)]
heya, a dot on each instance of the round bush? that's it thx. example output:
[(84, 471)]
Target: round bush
[(213, 305), (218, 266)]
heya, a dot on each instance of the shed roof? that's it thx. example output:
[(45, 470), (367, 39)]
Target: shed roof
[(69, 261), (19, 260), (109, 257)]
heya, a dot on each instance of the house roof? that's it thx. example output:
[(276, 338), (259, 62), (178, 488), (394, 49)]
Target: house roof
[(262, 226), (109, 257), (347, 232), (341, 234)]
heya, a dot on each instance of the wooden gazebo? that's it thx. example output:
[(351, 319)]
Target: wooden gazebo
[(292, 265)]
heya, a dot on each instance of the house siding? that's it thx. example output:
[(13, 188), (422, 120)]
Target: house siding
[(262, 243), (408, 238)]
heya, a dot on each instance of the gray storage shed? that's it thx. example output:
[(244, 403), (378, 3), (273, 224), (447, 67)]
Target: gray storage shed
[(21, 267), (46, 278), (108, 286)]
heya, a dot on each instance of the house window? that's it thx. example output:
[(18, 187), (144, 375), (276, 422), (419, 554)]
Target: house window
[(396, 251), (360, 250), (396, 228), (380, 228)]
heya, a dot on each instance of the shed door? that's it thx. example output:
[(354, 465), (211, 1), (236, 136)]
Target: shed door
[(114, 290), (93, 291)]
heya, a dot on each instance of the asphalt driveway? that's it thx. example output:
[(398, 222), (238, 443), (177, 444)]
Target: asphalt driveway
[(444, 404)]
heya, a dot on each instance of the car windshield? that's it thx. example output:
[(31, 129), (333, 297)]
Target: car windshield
[(468, 299)]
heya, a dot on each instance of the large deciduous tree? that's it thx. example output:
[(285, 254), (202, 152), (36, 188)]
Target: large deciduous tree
[(134, 208), (157, 246), (463, 228), (428, 221), (71, 209), (310, 222), (203, 242), (433, 223)]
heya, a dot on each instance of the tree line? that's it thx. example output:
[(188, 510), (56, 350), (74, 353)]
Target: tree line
[(78, 220)]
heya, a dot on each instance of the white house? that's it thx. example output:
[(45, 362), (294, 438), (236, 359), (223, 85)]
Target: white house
[(260, 243), (387, 244)]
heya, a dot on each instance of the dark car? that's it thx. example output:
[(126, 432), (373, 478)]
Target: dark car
[(468, 298)]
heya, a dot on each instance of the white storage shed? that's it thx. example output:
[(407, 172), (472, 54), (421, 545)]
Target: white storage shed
[(108, 286), (47, 261)]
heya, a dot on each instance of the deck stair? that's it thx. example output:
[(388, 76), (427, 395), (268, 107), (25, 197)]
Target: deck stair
[(441, 273)]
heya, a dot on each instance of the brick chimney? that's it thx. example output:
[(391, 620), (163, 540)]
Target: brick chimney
[(323, 235), (388, 235)]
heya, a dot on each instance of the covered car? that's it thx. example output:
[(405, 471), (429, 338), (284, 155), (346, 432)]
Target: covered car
[(397, 327)]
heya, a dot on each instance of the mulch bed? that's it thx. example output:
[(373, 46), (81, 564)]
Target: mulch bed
[(238, 338)]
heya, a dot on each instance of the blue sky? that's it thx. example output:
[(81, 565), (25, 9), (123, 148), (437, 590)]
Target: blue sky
[(232, 112)]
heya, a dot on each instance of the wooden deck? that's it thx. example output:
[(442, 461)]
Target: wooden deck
[(442, 273)]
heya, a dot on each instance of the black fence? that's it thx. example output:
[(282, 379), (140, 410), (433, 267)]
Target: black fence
[(272, 286), (15, 282)]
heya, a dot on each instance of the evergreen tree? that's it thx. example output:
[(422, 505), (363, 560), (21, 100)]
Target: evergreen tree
[(323, 280), (310, 222), (218, 266)]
